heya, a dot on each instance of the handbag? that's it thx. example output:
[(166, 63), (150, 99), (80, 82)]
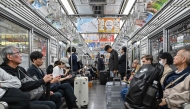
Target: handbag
[(35, 93)]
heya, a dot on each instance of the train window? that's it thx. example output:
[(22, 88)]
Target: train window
[(156, 47), (40, 44), (13, 34), (179, 36)]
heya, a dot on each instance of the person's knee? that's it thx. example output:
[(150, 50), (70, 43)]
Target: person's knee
[(48, 105), (51, 104), (57, 95)]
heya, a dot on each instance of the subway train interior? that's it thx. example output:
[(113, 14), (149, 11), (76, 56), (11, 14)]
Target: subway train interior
[(95, 54)]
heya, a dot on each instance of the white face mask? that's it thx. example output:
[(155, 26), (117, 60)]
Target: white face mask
[(162, 61)]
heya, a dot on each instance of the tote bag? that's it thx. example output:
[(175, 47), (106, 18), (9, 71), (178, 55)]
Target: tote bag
[(35, 93)]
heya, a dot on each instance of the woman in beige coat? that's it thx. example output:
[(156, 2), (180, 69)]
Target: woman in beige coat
[(178, 95), (166, 60)]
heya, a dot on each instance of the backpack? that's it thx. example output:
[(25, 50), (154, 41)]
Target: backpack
[(80, 65), (138, 93)]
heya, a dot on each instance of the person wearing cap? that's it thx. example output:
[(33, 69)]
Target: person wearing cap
[(58, 69), (57, 89)]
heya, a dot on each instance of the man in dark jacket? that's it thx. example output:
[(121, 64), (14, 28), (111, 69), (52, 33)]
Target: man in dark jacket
[(101, 65), (113, 61), (65, 89), (12, 58), (73, 59), (122, 64)]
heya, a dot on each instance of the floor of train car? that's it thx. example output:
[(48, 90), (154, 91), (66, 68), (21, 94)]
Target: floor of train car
[(96, 96)]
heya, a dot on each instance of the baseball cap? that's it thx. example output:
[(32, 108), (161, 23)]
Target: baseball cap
[(65, 60)]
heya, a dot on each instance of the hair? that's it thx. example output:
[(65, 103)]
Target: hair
[(7, 50), (137, 68), (107, 47), (137, 61), (148, 57), (186, 54), (56, 63), (102, 55), (168, 57), (35, 55), (124, 49), (71, 50)]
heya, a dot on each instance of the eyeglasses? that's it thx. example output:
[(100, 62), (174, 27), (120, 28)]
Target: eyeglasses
[(16, 53)]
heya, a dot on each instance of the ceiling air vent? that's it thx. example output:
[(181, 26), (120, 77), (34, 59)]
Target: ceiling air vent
[(97, 2), (98, 9)]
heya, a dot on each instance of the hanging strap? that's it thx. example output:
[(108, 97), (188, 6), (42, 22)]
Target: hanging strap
[(173, 82)]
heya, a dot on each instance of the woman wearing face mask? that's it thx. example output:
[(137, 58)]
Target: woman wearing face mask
[(166, 60)]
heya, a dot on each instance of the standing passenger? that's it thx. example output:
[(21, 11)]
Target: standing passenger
[(73, 59), (113, 61), (122, 64)]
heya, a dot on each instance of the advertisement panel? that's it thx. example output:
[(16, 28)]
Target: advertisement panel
[(87, 25), (109, 25)]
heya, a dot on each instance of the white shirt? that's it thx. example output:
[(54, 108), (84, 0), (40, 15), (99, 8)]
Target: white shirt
[(57, 71), (8, 81)]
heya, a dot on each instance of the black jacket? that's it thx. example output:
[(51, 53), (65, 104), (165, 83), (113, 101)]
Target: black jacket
[(34, 71), (101, 65), (28, 86), (122, 64), (113, 61)]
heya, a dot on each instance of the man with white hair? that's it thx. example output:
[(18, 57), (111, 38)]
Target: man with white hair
[(182, 63), (12, 58)]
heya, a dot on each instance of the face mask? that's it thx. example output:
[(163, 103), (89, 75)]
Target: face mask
[(162, 62)]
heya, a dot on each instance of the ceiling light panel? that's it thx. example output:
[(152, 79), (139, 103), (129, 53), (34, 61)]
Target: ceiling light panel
[(67, 6), (129, 6)]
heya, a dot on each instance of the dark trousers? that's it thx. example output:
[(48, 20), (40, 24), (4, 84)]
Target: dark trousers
[(56, 98), (39, 106), (122, 75), (67, 91), (16, 99)]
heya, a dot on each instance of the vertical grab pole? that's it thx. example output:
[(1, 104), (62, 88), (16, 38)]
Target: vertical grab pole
[(71, 57), (126, 58)]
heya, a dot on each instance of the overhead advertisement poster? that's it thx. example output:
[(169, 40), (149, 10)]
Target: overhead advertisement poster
[(87, 25), (99, 37), (109, 25), (102, 25)]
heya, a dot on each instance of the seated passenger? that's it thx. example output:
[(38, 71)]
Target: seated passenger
[(15, 101), (65, 89), (135, 67), (166, 60), (182, 62), (12, 58), (178, 95)]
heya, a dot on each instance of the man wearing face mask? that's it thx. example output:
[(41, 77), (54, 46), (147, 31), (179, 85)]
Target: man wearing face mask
[(166, 60)]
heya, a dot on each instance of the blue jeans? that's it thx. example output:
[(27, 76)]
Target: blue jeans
[(111, 74), (124, 92)]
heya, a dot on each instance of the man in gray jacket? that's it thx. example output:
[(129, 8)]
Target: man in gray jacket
[(113, 61)]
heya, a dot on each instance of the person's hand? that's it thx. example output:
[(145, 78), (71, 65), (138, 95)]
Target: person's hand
[(115, 71), (163, 102), (125, 78), (68, 77), (51, 93), (48, 78), (55, 80)]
